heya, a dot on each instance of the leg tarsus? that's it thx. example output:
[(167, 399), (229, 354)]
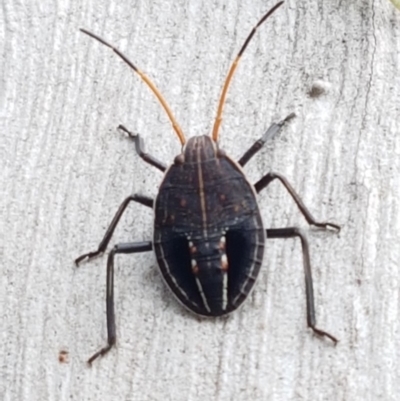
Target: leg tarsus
[(139, 146), (87, 256), (324, 334), (102, 352)]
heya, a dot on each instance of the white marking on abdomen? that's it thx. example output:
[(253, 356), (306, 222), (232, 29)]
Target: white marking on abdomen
[(224, 290), (203, 297)]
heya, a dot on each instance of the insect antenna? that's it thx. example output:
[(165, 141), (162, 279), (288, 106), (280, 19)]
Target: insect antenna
[(147, 80), (218, 119)]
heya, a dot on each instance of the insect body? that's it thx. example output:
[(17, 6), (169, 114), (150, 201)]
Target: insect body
[(208, 233)]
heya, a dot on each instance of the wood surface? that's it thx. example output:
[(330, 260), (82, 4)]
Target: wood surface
[(65, 169)]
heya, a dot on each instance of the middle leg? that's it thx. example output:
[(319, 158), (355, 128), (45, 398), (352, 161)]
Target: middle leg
[(268, 178), (142, 199)]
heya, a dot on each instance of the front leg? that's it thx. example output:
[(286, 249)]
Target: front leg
[(270, 133)]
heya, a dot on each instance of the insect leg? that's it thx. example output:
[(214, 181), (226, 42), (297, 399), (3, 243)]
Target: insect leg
[(139, 145), (268, 178), (144, 200), (291, 232), (133, 247), (270, 133)]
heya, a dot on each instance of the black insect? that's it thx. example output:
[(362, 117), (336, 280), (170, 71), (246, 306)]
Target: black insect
[(208, 233)]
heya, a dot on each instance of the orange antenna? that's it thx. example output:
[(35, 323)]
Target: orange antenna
[(150, 84), (218, 119)]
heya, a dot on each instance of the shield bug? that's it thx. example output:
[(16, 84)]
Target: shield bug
[(208, 233)]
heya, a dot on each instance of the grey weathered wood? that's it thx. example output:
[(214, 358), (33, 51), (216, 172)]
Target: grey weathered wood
[(65, 169)]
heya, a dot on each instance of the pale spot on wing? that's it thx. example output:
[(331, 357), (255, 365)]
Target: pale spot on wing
[(224, 263), (195, 268), (222, 243)]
